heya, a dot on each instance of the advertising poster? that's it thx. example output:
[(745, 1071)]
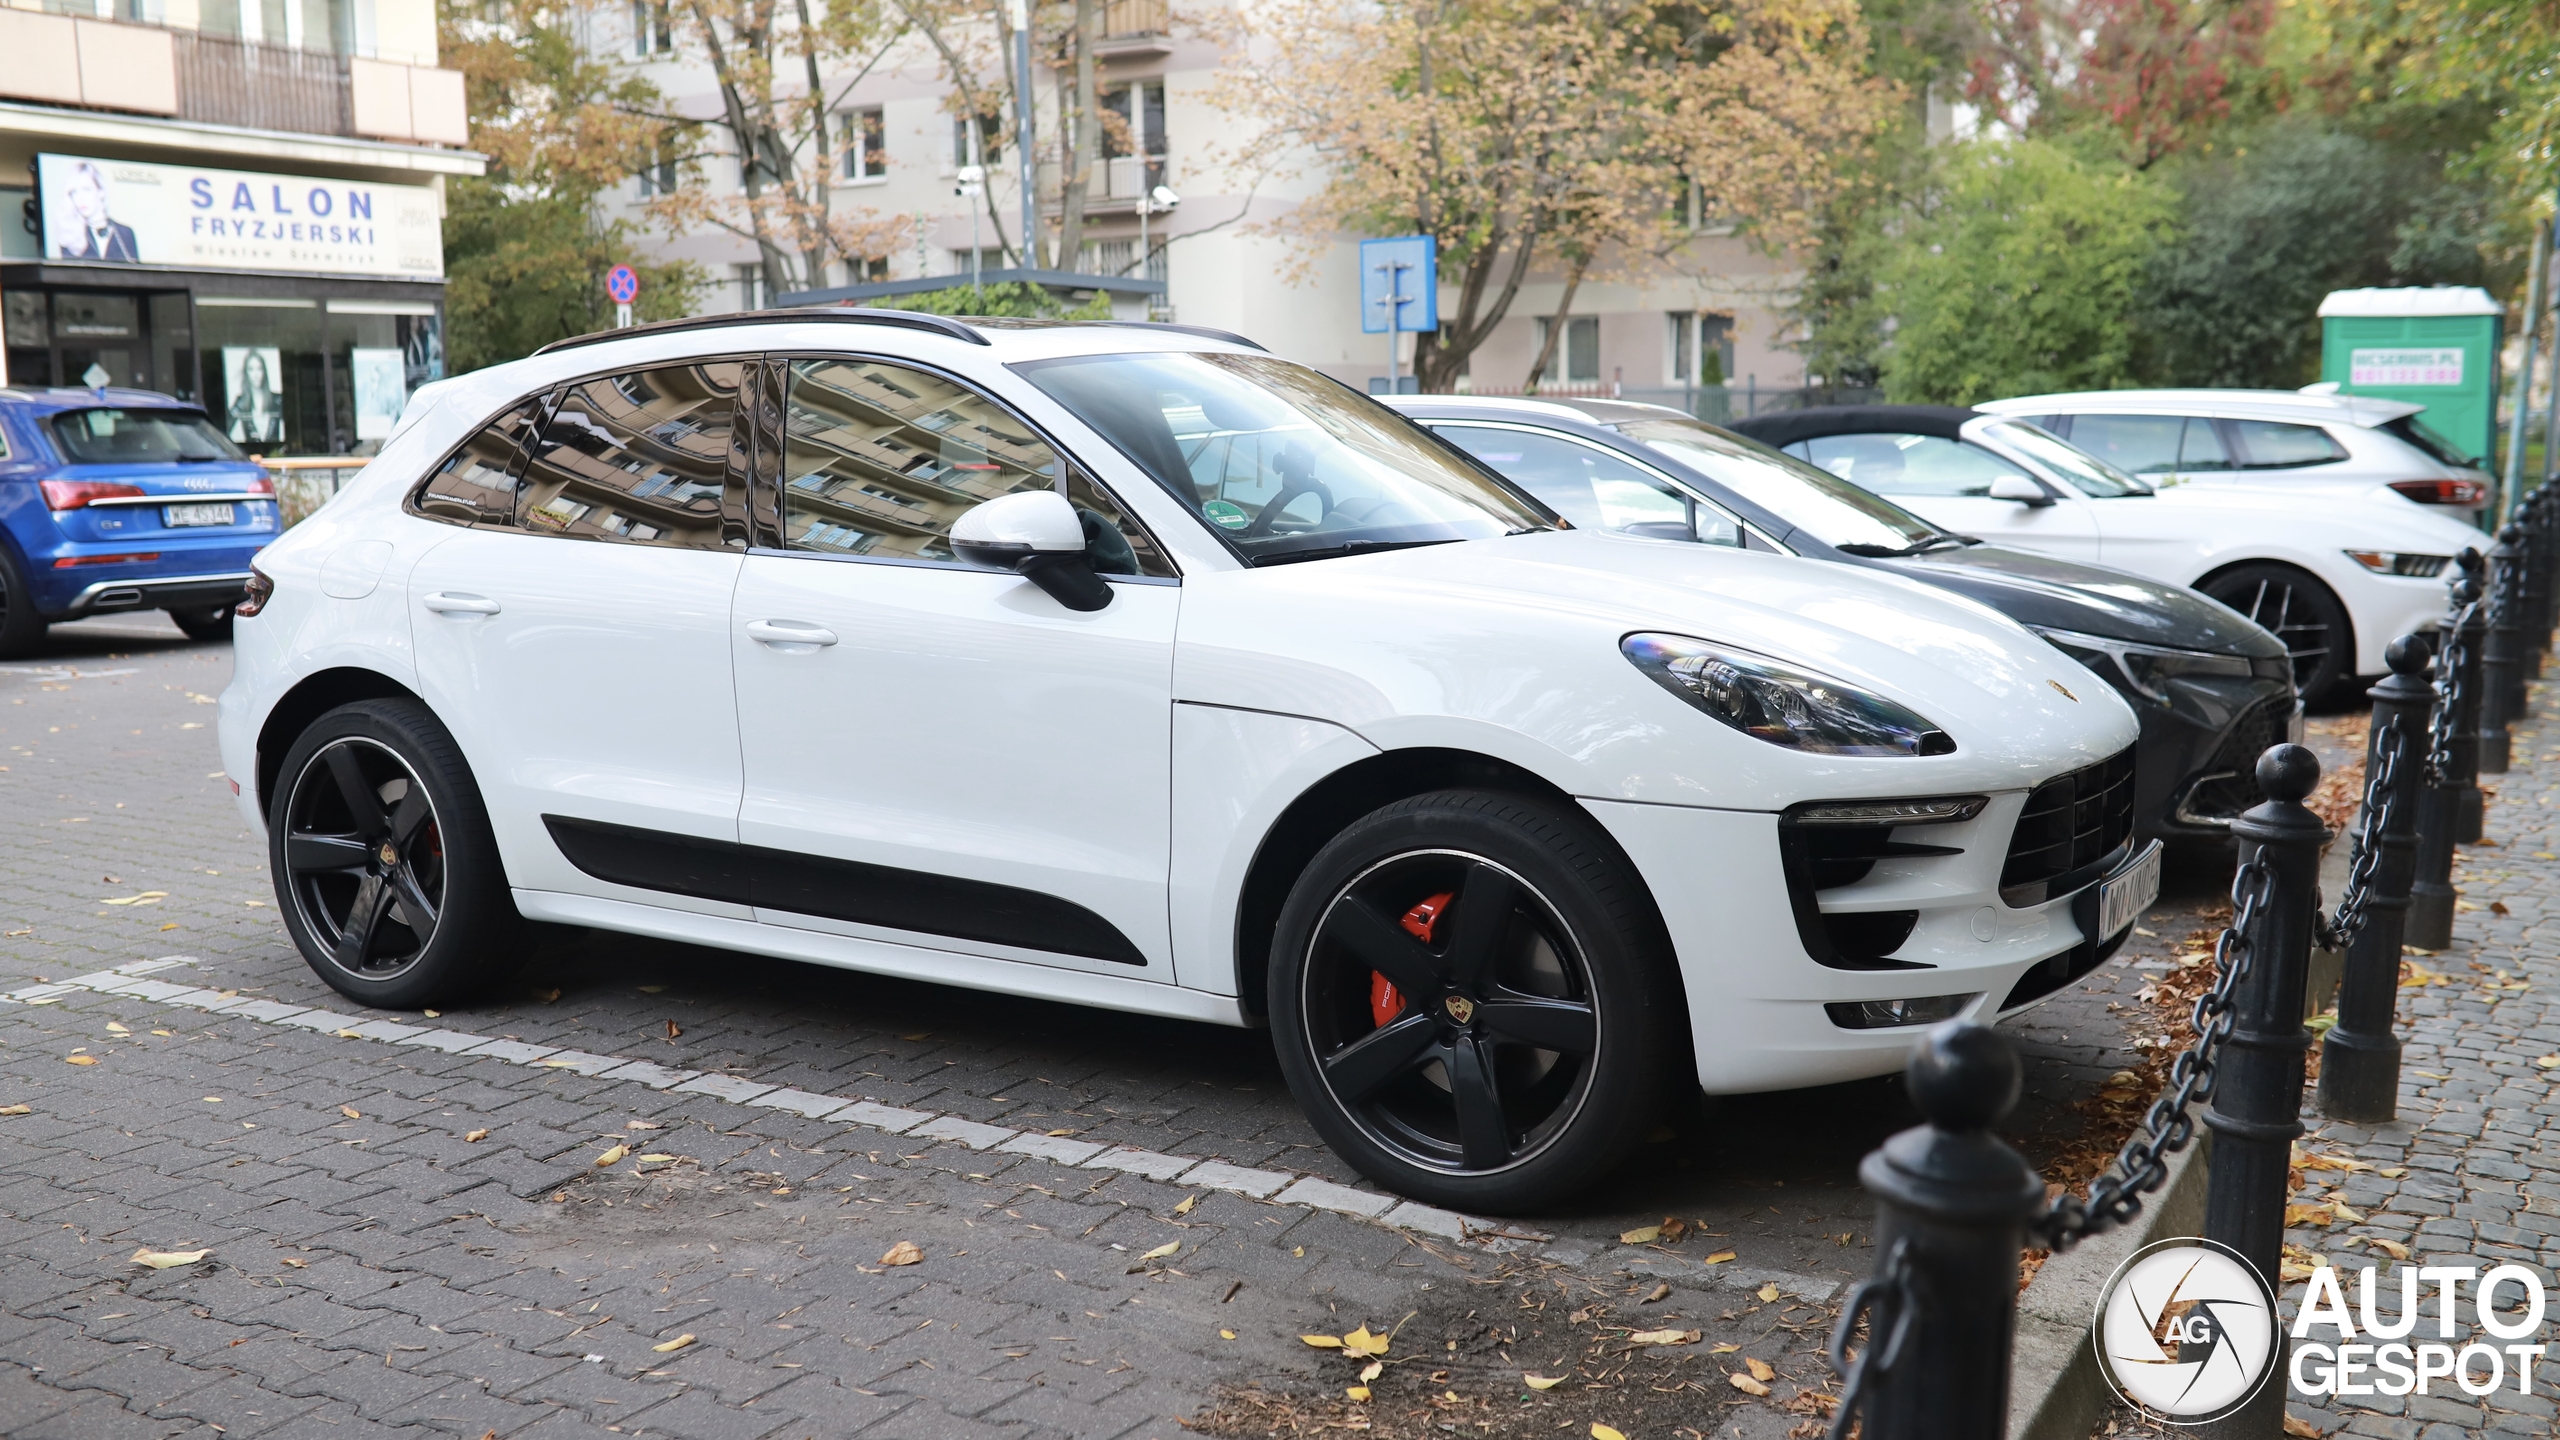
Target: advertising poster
[(382, 387), (256, 412), (120, 212)]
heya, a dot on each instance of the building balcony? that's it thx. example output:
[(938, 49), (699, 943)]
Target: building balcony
[(109, 65)]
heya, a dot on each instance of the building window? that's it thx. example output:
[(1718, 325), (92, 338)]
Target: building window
[(1576, 360), (751, 294), (657, 177), (979, 144), (866, 144), (1701, 349), (866, 270), (653, 29)]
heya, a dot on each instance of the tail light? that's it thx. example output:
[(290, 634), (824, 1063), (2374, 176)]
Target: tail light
[(73, 562), (260, 486), (260, 590), (73, 494), (2465, 493)]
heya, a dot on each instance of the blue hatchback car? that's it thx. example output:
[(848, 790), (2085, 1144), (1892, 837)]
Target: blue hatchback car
[(122, 500)]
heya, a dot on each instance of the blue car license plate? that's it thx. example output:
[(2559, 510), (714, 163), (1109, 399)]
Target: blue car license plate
[(202, 513)]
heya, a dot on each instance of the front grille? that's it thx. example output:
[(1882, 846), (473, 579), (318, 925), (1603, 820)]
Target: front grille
[(2070, 825), (2230, 783)]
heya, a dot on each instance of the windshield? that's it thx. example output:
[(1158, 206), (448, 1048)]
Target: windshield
[(1817, 502), (2085, 472), (1283, 462), (139, 437)]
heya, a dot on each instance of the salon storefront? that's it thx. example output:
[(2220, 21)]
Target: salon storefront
[(299, 311)]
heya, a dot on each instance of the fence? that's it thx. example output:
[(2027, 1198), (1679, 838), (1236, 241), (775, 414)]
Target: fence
[(1956, 1206), (304, 483)]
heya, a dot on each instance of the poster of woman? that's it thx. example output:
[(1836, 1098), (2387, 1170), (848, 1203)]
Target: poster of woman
[(256, 412)]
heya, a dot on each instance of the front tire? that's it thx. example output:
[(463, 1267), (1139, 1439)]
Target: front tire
[(1473, 1001), (2302, 613), (204, 623), (385, 866), (22, 628)]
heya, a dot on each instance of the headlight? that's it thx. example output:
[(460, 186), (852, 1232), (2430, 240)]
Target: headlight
[(2147, 668), (2392, 562), (1781, 704)]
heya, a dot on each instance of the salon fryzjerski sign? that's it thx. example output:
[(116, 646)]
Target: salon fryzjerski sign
[(186, 217)]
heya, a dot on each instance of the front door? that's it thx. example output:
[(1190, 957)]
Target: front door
[(575, 632), (1948, 483), (937, 754)]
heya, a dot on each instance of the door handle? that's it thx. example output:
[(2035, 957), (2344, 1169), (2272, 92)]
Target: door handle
[(790, 636), (454, 602)]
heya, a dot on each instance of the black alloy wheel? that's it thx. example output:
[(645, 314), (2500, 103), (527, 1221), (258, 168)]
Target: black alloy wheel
[(1475, 1019), (2301, 612), (383, 860)]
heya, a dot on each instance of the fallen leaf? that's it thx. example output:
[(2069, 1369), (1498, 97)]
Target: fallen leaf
[(1323, 1342), (1372, 1371), (1745, 1384), (612, 1154), (1641, 1235), (642, 1125), (1226, 1334), (2548, 1062), (1162, 1251), (1364, 1342), (1768, 1293), (2296, 1425), (2392, 1248), (1663, 1337), (2392, 1172), (651, 989), (674, 1345), (1658, 1292), (2496, 907), (1722, 1347), (667, 1160), (1058, 1133), (1540, 1382), (147, 897), (1717, 1258), (903, 1253), (474, 1136), (80, 1059), (1604, 1432), (1760, 1369), (432, 1014), (1356, 1392), (919, 1035), (547, 996), (350, 1112), (164, 1259), (1673, 1227), (1185, 1207), (114, 1028), (17, 1109), (297, 1264), (672, 1031)]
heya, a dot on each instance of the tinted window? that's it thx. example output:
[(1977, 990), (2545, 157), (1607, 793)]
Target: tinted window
[(1904, 464), (2141, 444), (2275, 445), (880, 459), (1592, 487), (641, 458), (147, 437), (476, 485), (1283, 462), (1817, 502), (2200, 447)]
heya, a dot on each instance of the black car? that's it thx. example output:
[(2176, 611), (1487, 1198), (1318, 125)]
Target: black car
[(2213, 689)]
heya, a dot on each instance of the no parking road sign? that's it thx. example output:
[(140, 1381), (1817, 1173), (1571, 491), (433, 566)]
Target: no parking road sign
[(623, 284)]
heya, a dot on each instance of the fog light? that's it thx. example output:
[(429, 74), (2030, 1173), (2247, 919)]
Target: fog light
[(1886, 1014)]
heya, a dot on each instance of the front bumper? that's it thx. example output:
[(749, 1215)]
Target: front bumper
[(2195, 765), (1756, 998)]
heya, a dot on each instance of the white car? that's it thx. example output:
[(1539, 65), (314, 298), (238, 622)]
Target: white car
[(1137, 668), (2337, 568)]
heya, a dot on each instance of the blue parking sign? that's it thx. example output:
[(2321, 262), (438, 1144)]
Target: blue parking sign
[(1406, 270)]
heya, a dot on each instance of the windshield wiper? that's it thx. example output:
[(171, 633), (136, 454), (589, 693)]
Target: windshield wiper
[(1892, 552), (1348, 547)]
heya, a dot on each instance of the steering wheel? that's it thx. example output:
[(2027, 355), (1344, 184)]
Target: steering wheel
[(1297, 477)]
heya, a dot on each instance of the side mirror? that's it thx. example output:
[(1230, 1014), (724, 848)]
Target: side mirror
[(1037, 535), (2021, 489)]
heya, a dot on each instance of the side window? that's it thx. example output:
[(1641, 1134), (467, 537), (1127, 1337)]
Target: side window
[(640, 458), (476, 484), (2201, 448), (1905, 464), (880, 459), (2275, 445), (2141, 444), (1593, 488)]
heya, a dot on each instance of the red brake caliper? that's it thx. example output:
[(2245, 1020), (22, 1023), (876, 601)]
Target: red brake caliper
[(1385, 1001)]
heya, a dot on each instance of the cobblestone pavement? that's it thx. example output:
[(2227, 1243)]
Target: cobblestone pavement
[(399, 1237)]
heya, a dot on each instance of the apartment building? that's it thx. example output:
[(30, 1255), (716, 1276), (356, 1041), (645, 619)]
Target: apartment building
[(236, 202), (1688, 332)]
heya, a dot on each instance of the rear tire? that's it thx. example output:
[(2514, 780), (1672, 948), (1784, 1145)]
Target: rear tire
[(2302, 613), (22, 629), (384, 862), (1514, 1055), (205, 622)]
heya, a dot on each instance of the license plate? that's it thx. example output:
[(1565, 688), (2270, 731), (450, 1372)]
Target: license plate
[(175, 516), (2129, 892)]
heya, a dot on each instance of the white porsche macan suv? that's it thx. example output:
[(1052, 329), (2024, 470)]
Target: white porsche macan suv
[(1134, 667)]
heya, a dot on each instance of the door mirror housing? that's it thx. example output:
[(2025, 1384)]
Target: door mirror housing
[(1037, 535), (2021, 489)]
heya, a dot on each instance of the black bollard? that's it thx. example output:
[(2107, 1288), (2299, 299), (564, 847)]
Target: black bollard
[(2462, 775), (1952, 1206), (2256, 1113), (2501, 691), (2430, 915), (2360, 1057), (2542, 522)]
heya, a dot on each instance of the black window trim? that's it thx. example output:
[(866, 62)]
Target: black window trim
[(765, 492), (549, 399)]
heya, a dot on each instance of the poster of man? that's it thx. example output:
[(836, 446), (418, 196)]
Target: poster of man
[(84, 226), (256, 413)]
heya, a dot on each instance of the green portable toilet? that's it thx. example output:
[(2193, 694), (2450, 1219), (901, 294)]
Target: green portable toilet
[(2434, 345)]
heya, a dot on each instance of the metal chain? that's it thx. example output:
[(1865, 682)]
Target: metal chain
[(1886, 1299), (2142, 1165), (2452, 651), (2381, 795)]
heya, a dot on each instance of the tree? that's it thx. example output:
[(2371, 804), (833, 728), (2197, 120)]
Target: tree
[(1588, 137), (525, 254), (2018, 273)]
